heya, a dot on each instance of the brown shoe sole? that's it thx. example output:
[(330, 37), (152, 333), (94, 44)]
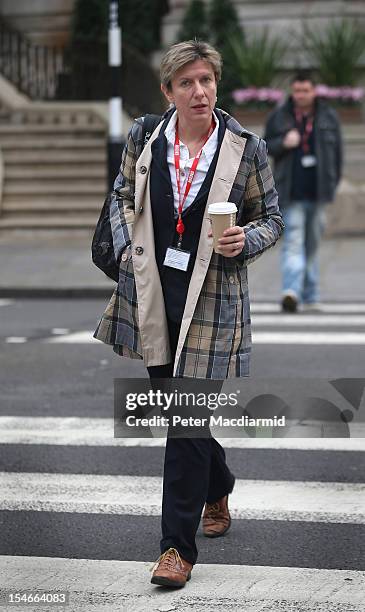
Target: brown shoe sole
[(221, 533), (163, 581)]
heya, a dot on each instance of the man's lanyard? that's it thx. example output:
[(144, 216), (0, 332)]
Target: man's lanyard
[(307, 130), (180, 228)]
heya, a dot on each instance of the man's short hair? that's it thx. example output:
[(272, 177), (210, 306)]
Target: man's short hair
[(303, 75)]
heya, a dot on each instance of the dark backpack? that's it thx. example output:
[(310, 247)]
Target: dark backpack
[(102, 250)]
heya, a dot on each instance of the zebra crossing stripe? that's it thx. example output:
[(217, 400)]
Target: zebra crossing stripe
[(141, 495), (313, 338), (310, 338), (125, 585), (329, 307), (304, 320), (81, 337), (92, 431), (259, 337)]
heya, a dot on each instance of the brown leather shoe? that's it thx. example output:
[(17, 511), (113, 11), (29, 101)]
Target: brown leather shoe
[(171, 570), (216, 518)]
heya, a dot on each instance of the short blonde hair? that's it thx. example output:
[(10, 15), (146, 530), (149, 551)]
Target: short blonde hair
[(185, 52)]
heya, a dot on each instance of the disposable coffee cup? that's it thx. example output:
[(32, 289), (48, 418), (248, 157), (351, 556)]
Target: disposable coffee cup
[(222, 216)]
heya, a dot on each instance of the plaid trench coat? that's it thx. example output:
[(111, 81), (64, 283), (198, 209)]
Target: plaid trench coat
[(215, 334)]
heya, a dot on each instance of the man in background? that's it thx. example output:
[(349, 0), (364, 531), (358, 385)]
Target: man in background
[(303, 137)]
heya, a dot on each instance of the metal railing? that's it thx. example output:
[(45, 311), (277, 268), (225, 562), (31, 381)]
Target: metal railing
[(33, 69)]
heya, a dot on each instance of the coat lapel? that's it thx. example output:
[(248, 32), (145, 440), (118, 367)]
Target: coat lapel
[(159, 154), (143, 165), (152, 320), (228, 163)]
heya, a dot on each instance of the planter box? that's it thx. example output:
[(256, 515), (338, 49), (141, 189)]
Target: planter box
[(350, 114), (247, 117), (250, 116)]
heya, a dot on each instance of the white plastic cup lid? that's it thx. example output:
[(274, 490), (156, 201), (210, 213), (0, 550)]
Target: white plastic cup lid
[(222, 208)]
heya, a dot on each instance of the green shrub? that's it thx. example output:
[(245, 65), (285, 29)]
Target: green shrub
[(223, 22), (89, 21), (86, 58), (194, 24), (140, 22), (257, 58), (224, 25), (336, 51)]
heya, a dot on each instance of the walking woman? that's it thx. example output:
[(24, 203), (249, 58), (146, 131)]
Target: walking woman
[(178, 305)]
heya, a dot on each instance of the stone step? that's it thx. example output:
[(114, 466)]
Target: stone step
[(51, 143), (13, 189), (354, 155), (54, 114), (19, 130), (55, 156), (35, 222), (51, 205), (54, 171), (11, 141)]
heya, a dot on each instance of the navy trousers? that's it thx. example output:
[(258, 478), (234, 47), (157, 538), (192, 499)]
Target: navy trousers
[(195, 472)]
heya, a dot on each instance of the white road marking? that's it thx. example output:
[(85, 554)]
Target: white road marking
[(85, 431), (283, 337), (329, 307), (310, 338), (331, 315), (303, 320), (81, 337), (125, 585), (141, 495)]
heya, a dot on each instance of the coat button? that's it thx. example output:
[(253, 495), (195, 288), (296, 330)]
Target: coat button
[(143, 169), (139, 250), (140, 210), (124, 257)]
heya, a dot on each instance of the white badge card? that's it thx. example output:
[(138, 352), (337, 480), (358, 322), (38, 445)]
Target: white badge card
[(308, 161), (177, 258)]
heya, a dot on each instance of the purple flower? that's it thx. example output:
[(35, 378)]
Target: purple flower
[(322, 90), (345, 93), (257, 94)]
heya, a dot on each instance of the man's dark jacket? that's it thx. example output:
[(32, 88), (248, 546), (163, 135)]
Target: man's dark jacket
[(328, 150)]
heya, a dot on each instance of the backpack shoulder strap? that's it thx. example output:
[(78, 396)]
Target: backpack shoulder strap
[(149, 124)]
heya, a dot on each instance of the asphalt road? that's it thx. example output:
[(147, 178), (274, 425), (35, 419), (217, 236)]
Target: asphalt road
[(74, 378)]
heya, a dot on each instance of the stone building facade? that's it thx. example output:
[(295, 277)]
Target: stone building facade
[(44, 22), (284, 18), (48, 21)]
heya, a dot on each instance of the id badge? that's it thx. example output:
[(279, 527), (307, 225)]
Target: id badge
[(308, 161), (177, 258)]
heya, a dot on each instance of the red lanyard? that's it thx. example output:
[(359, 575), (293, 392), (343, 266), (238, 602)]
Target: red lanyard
[(307, 130), (180, 228)]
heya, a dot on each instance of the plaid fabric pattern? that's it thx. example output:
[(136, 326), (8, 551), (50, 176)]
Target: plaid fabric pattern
[(122, 200), (218, 342)]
